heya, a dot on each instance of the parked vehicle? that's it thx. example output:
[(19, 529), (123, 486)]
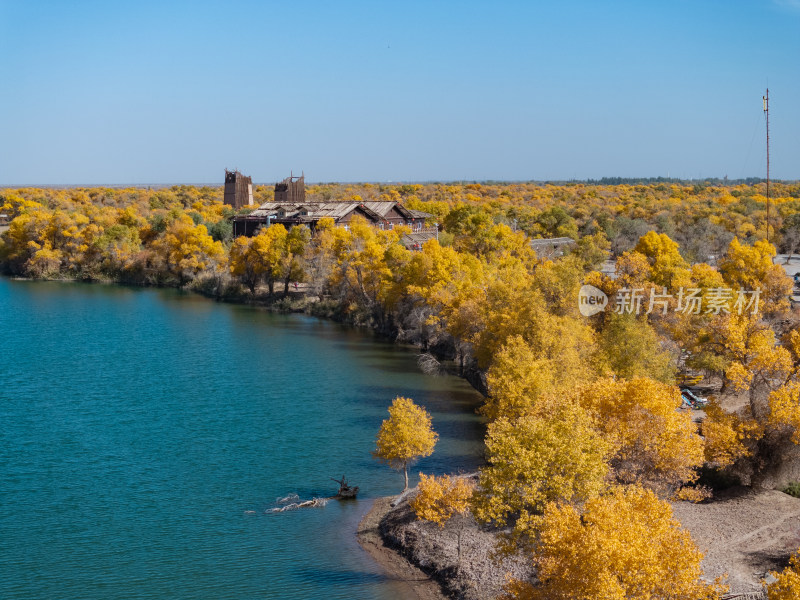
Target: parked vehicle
[(693, 399)]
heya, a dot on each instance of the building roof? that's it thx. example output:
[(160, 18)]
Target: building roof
[(419, 237), (418, 214), (315, 210), (551, 247), (552, 242), (335, 210)]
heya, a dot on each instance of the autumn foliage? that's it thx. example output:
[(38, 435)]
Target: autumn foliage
[(787, 584), (575, 405), (440, 498), (623, 545), (405, 436)]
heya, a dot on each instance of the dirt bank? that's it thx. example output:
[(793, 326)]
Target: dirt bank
[(742, 533), (417, 584), (396, 539)]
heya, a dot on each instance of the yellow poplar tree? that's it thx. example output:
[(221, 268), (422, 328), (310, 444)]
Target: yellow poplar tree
[(750, 268), (187, 249), (784, 409), (266, 252), (667, 266), (440, 498), (653, 443), (630, 348), (728, 436), (523, 373), (556, 454), (787, 586), (405, 436), (240, 264), (625, 545)]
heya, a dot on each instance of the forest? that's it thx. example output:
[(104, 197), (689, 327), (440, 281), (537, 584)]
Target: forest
[(585, 441)]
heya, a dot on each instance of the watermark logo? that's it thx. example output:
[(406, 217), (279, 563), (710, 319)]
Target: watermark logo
[(690, 301), (591, 300)]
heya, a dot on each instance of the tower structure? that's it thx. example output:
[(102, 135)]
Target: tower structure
[(238, 189), (291, 189)]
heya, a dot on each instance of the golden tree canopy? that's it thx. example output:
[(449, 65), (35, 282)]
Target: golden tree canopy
[(751, 268), (653, 442), (787, 586), (625, 545), (405, 436), (536, 459), (440, 498)]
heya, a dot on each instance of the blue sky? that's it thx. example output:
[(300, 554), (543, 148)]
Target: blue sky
[(175, 92)]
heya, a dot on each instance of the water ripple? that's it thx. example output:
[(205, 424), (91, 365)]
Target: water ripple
[(138, 427)]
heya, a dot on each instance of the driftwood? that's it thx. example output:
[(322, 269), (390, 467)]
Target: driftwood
[(346, 491), (295, 505), (292, 502), (403, 496)]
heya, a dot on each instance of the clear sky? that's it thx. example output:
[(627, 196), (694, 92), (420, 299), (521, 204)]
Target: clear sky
[(174, 92)]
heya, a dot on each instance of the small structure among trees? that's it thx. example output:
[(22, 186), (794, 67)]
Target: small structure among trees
[(380, 214), (291, 189), (238, 189), (552, 247), (290, 208)]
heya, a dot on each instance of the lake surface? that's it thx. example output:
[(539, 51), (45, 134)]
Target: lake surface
[(139, 428)]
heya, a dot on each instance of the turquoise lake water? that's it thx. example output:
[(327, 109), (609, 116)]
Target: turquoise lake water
[(138, 427)]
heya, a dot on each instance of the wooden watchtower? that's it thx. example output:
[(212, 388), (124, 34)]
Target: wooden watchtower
[(291, 189), (238, 189)]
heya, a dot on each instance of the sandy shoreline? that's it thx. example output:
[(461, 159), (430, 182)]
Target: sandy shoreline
[(418, 585)]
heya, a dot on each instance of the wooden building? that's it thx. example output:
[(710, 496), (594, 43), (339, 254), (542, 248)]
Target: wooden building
[(419, 237), (291, 189), (238, 189), (383, 215)]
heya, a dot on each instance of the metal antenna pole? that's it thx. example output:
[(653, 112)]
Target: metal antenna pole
[(766, 114)]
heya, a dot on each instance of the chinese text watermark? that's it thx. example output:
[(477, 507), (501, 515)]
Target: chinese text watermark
[(693, 301)]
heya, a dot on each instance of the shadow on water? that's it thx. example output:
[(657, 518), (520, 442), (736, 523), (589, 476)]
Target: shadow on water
[(340, 577), (400, 367)]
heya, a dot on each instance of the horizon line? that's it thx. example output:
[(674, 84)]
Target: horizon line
[(589, 180)]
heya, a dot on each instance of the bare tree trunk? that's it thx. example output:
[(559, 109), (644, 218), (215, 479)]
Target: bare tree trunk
[(460, 531), (405, 474)]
